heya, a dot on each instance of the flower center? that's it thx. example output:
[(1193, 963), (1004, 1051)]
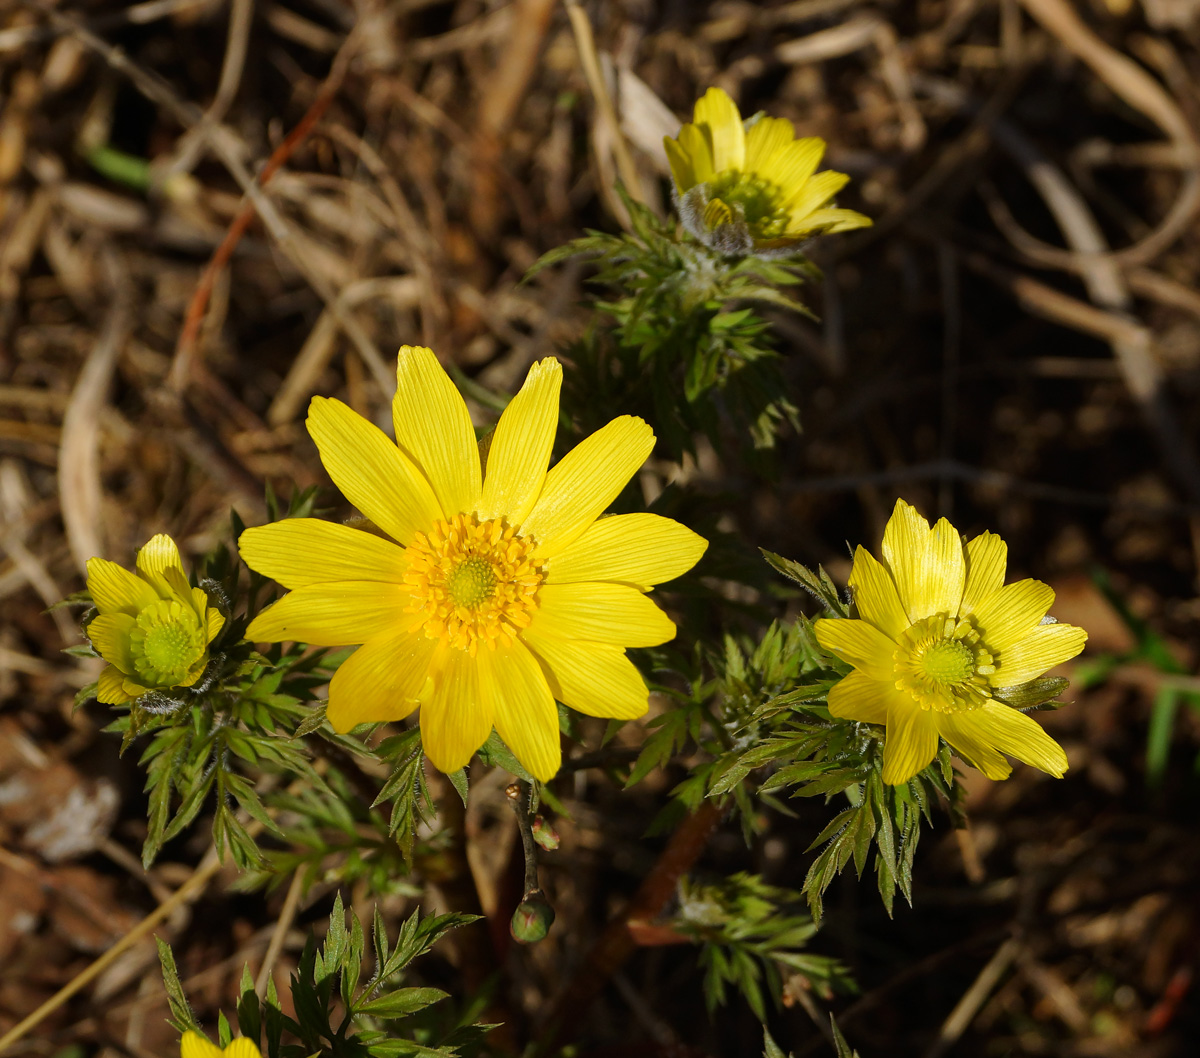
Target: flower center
[(941, 662), (750, 197), (473, 581), (167, 642)]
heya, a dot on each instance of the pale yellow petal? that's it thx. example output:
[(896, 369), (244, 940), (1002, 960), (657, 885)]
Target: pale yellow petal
[(793, 165), (858, 697), (767, 137), (601, 613), (193, 1045), (380, 680), (214, 621), (987, 560), (875, 594), (109, 635), (637, 549), (333, 615), (242, 1047), (373, 474), (1012, 613), (300, 551), (456, 713), (968, 739), (585, 481), (115, 590), (1016, 734), (433, 428), (521, 446), (110, 686), (911, 743), (830, 221), (523, 709), (859, 644), (696, 147), (592, 678), (682, 169), (1028, 658), (719, 114), (815, 192), (159, 553), (927, 565)]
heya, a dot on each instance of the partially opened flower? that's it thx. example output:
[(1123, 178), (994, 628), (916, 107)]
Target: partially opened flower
[(939, 634), (483, 596), (749, 187), (193, 1045), (153, 627)]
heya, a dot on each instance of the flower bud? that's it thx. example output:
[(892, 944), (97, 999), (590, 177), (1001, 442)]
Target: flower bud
[(544, 834), (532, 919)]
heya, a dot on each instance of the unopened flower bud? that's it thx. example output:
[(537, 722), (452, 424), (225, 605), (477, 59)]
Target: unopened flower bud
[(532, 919), (544, 834)]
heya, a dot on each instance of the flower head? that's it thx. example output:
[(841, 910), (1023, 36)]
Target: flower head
[(747, 187), (939, 634), (193, 1045), (485, 595), (153, 628)]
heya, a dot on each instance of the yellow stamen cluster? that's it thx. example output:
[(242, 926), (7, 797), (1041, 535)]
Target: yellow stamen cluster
[(166, 642), (941, 662), (473, 581)]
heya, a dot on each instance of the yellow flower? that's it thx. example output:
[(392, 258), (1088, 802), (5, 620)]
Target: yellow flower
[(153, 628), (939, 633), (193, 1045), (497, 592), (752, 186)]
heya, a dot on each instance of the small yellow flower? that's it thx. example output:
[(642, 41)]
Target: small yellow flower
[(751, 186), (938, 634), (492, 593), (193, 1045), (153, 628)]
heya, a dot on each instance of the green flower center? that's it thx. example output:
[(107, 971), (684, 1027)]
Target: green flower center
[(167, 643), (751, 198), (471, 582), (943, 664)]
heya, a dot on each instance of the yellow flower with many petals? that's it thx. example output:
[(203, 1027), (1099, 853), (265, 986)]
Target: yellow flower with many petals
[(748, 187), (492, 594), (938, 635), (153, 628), (193, 1045)]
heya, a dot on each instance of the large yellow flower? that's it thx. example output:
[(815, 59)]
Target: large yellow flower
[(938, 634), (193, 1045), (752, 186), (153, 628), (491, 594)]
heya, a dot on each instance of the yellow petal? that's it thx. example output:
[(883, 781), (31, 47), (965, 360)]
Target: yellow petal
[(1016, 734), (193, 1045), (911, 743), (1028, 658), (380, 680), (682, 170), (214, 622), (860, 644), (109, 634), (960, 730), (300, 551), (521, 445), (456, 715), (334, 615), (637, 549), (242, 1047), (115, 590), (433, 428), (592, 678), (601, 613), (766, 138), (793, 165), (585, 481), (987, 559), (829, 221), (927, 565), (724, 127), (159, 553), (875, 594), (815, 192), (858, 697), (696, 147), (110, 687), (373, 474), (523, 710), (1012, 613)]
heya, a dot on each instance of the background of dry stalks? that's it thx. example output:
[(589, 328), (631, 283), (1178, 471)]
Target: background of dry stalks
[(1016, 344)]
